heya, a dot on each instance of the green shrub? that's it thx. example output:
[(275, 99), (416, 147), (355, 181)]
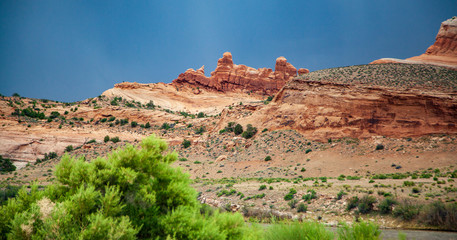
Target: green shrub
[(407, 210), (250, 131), (310, 195), (267, 158), (362, 230), (115, 139), (385, 206), (147, 125), (103, 120), (106, 138), (440, 215), (238, 129), (308, 151), (69, 148), (6, 165), (408, 183), (200, 115), (200, 130), (133, 193), (352, 203), (230, 126), (298, 231), (366, 204), (379, 147), (91, 141), (133, 124), (292, 203), (186, 143), (302, 208), (262, 187), (340, 195)]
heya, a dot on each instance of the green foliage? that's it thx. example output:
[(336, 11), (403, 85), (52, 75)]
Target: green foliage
[(407, 210), (366, 204), (147, 125), (200, 130), (133, 193), (352, 203), (267, 158), (379, 147), (302, 208), (298, 231), (310, 195), (289, 196), (359, 231), (115, 139), (340, 195), (150, 105), (440, 215), (250, 131), (262, 187), (186, 143), (165, 126), (238, 129), (10, 191), (292, 203), (6, 165), (385, 206), (69, 148), (133, 124), (200, 115), (106, 138), (230, 126)]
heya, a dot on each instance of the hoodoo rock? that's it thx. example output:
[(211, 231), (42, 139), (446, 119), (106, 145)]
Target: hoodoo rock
[(302, 71), (231, 77), (442, 53)]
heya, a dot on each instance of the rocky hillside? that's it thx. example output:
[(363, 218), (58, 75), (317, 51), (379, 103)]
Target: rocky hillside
[(395, 100), (442, 53), (193, 92)]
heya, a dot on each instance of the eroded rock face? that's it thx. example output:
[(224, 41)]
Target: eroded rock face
[(328, 110), (446, 40), (442, 53), (231, 77)]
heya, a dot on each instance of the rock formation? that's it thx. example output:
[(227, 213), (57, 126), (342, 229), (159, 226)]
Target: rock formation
[(231, 77), (442, 53)]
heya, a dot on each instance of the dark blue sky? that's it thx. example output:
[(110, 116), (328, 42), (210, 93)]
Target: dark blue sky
[(73, 50)]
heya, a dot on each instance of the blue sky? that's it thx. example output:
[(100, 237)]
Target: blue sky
[(73, 50)]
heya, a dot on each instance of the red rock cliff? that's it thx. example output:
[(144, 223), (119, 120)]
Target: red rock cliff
[(442, 53), (229, 77)]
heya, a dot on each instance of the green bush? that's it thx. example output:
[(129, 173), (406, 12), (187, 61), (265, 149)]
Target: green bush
[(69, 148), (302, 207), (115, 139), (379, 147), (292, 203), (262, 187), (186, 143), (238, 129), (133, 193), (362, 230), (250, 131), (385, 206), (230, 126), (267, 158), (352, 203), (133, 124), (6, 165), (366, 204), (200, 115), (340, 195), (310, 195), (106, 138), (298, 231), (407, 210), (440, 215)]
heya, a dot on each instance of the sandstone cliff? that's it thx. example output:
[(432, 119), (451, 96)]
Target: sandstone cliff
[(322, 108), (231, 77), (442, 53)]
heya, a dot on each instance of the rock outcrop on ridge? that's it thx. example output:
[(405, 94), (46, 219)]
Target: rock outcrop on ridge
[(442, 53), (231, 77)]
